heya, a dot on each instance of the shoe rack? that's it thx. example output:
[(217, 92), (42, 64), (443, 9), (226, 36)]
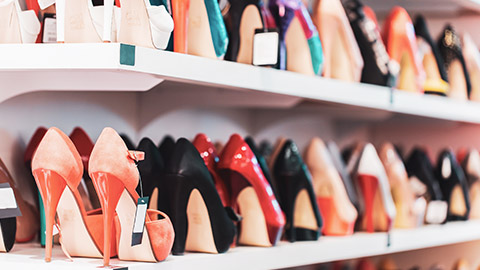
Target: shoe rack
[(146, 92)]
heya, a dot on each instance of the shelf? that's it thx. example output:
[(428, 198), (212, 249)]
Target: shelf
[(192, 80), (284, 255), (426, 7)]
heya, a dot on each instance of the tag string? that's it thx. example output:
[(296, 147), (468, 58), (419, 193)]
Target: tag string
[(139, 180)]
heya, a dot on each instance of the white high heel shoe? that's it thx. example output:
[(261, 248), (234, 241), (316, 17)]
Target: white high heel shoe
[(78, 21), (24, 27), (141, 24)]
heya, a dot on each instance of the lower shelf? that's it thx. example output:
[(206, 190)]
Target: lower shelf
[(326, 249)]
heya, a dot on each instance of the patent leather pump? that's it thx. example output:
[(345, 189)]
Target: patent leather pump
[(208, 152), (114, 173), (263, 164), (151, 171), (436, 80), (338, 212), (8, 225), (166, 147), (402, 47), (251, 195), (296, 195), (189, 197), (454, 186), (471, 167), (451, 51), (377, 69)]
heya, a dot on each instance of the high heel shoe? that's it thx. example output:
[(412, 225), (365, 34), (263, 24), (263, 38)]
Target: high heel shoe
[(128, 142), (262, 219), (403, 196), (57, 169), (296, 195), (425, 184), (472, 59), (265, 149), (436, 80), (378, 68), (343, 172), (8, 225), (242, 18), (263, 165), (276, 150), (451, 51), (17, 26), (81, 22), (207, 151), (139, 23), (27, 158), (201, 222), (342, 57), (113, 170), (338, 212), (166, 147), (151, 172), (453, 184), (471, 167), (372, 182), (300, 47), (399, 38), (84, 146)]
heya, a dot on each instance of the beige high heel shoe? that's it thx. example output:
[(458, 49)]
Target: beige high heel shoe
[(17, 26), (472, 59)]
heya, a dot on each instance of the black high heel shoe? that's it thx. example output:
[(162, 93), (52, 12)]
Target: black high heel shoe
[(436, 82), (263, 164), (191, 201), (151, 171), (451, 51), (128, 142), (453, 184), (8, 229), (166, 147), (377, 68), (297, 198), (422, 177), (241, 49)]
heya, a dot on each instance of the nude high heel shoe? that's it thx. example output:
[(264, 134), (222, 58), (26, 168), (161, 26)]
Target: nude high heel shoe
[(17, 26), (57, 168), (115, 176), (338, 212), (471, 167), (472, 59), (399, 38), (342, 57)]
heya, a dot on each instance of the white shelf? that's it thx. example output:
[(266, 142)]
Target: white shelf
[(97, 67), (327, 249)]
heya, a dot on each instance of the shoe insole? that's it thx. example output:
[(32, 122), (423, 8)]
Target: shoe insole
[(475, 200), (456, 77), (431, 67), (76, 239), (457, 202), (135, 24), (200, 234), (407, 78), (199, 36), (299, 58), (126, 214), (250, 21), (253, 231), (9, 25), (303, 215), (79, 26)]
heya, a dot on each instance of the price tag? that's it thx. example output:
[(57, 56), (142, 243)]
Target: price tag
[(265, 47), (436, 212), (8, 204), (139, 222), (49, 29)]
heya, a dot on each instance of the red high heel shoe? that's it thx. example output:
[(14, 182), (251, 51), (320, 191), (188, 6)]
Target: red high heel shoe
[(115, 177), (400, 41), (180, 10), (207, 150), (57, 168), (251, 195)]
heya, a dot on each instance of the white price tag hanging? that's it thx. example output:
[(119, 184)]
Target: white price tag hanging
[(139, 222), (49, 29), (265, 47)]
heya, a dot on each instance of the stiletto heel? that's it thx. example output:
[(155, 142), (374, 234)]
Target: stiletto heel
[(263, 220), (51, 186), (180, 9), (115, 176)]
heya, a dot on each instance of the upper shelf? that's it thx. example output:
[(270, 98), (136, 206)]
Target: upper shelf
[(327, 249), (116, 67), (445, 7)]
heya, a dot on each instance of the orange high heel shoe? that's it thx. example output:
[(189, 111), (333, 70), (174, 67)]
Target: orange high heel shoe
[(180, 10), (57, 169), (115, 176), (399, 38)]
